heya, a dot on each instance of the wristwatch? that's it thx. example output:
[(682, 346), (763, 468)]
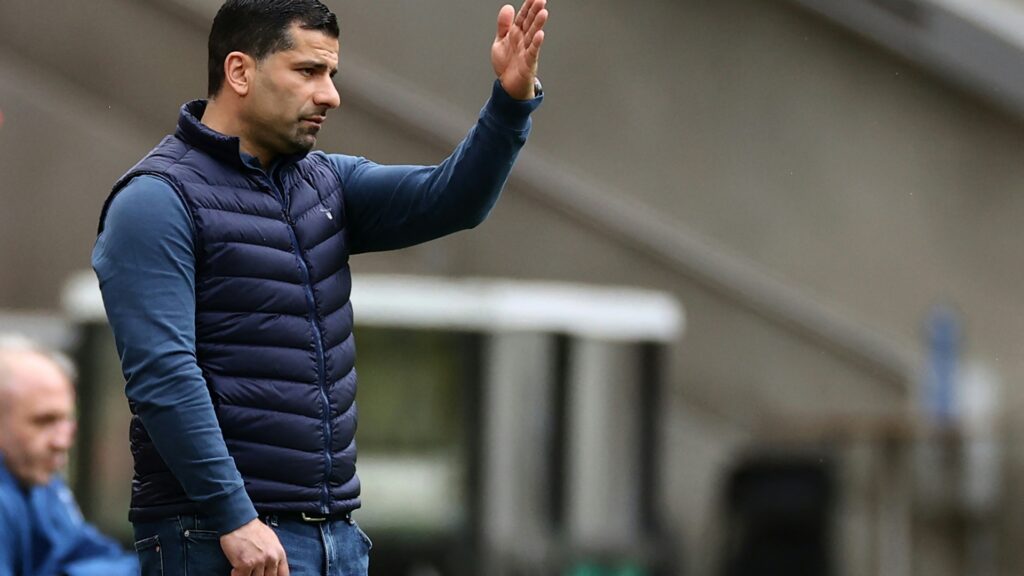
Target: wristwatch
[(538, 89)]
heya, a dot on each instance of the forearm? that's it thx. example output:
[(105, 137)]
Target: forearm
[(168, 393), (392, 207)]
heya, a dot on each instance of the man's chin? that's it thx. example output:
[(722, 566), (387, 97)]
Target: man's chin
[(34, 478), (302, 145)]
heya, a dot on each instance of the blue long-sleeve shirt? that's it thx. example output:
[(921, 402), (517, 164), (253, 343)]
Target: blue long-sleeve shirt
[(145, 262), (42, 534)]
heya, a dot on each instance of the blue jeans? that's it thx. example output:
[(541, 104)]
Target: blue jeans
[(182, 546)]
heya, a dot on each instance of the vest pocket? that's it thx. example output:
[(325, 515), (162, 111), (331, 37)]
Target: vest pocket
[(151, 556)]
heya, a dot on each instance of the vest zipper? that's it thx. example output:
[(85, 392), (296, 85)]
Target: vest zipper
[(307, 285)]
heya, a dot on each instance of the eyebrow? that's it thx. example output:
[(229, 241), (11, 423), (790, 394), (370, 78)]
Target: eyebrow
[(319, 65)]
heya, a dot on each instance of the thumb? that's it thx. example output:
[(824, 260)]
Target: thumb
[(505, 17)]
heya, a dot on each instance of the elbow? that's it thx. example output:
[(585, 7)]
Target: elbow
[(476, 218), (465, 207), (168, 380), (473, 218), (475, 214)]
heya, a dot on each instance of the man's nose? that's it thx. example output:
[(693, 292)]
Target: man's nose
[(64, 436), (328, 96)]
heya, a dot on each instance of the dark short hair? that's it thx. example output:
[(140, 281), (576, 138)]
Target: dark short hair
[(260, 28)]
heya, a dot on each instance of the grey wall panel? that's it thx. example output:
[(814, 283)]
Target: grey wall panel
[(61, 148)]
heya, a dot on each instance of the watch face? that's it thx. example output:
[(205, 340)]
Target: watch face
[(538, 89)]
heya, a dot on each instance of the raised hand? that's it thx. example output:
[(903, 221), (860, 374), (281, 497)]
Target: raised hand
[(516, 47)]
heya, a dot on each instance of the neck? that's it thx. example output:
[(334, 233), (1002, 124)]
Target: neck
[(223, 118)]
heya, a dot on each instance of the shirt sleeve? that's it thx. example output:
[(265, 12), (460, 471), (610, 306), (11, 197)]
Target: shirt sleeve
[(389, 207), (145, 262)]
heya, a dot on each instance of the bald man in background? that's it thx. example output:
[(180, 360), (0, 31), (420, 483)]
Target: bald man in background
[(42, 532)]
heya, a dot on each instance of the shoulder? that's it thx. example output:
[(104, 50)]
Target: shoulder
[(146, 201), (145, 219), (146, 192), (165, 155), (160, 160), (342, 164)]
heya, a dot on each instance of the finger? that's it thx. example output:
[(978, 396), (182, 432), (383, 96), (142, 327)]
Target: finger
[(531, 16), (271, 567), (505, 16), (282, 567), (523, 11), (533, 52), (538, 25)]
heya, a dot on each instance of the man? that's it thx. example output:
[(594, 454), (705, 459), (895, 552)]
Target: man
[(41, 531), (223, 262)]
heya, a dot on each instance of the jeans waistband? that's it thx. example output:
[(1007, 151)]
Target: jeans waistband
[(306, 517)]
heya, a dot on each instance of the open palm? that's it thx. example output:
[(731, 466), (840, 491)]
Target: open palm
[(516, 47)]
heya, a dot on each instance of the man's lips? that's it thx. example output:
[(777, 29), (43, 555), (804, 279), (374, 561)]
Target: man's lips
[(313, 124)]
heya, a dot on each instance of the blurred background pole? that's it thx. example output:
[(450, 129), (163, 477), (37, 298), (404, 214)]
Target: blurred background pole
[(944, 351), (518, 435), (604, 495)]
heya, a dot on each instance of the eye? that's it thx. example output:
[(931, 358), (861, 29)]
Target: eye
[(307, 72)]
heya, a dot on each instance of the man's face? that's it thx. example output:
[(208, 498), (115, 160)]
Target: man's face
[(37, 424), (292, 91)]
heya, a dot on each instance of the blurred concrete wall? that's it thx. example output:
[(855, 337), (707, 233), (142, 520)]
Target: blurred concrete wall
[(806, 154)]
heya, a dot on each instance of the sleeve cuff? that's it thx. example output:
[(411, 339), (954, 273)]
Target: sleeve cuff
[(509, 112), (228, 513)]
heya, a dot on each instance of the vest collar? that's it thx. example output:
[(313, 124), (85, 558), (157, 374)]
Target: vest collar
[(225, 148)]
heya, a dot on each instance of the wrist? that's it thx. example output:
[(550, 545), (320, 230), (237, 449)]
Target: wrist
[(508, 111), (230, 512), (523, 91)]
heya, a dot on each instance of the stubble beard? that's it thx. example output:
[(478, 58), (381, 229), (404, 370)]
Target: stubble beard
[(305, 141)]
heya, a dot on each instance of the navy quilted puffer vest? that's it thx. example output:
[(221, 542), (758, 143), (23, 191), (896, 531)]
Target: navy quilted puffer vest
[(273, 322)]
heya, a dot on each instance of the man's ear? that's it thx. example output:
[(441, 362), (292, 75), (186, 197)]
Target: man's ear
[(238, 72)]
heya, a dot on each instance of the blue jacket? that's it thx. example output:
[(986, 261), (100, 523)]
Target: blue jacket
[(227, 289), (42, 534)]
